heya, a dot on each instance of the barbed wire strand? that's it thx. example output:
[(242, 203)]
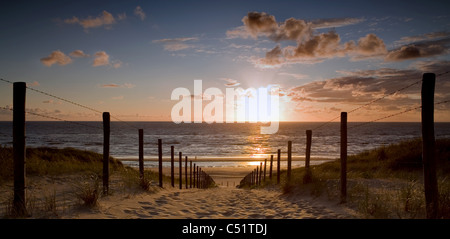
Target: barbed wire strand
[(395, 114), (369, 103), (378, 99), (54, 118), (59, 98), (443, 73), (72, 102)]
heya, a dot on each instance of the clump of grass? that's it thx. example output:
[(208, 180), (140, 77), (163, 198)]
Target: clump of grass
[(88, 190), (373, 205), (50, 203)]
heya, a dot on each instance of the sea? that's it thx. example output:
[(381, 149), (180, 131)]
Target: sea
[(217, 145)]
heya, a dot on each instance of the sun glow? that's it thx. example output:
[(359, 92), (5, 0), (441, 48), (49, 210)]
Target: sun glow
[(253, 163)]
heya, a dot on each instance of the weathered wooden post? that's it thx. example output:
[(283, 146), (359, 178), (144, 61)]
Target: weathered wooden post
[(190, 174), (194, 176), (343, 157), (106, 136), (289, 161), (257, 175), (307, 178), (265, 166), (198, 173), (141, 153), (260, 173), (428, 146), (160, 168), (172, 165), (185, 172), (278, 165), (271, 166), (180, 169), (19, 151), (308, 148)]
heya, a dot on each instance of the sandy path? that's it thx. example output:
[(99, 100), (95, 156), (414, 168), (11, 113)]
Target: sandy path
[(215, 203)]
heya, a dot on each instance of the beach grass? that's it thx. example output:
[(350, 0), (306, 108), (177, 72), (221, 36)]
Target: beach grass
[(86, 166), (386, 182)]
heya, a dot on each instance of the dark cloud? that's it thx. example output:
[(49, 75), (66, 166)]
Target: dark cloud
[(419, 50), (359, 87), (335, 22)]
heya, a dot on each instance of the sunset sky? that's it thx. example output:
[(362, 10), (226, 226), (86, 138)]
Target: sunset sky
[(126, 57)]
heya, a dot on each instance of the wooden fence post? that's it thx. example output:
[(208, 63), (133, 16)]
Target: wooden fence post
[(260, 173), (265, 166), (106, 136), (271, 166), (194, 176), (428, 146), (160, 163), (185, 171), (289, 161), (19, 150), (257, 175), (251, 178), (141, 153), (343, 157), (278, 165), (198, 173), (172, 165), (190, 174), (180, 176), (308, 148)]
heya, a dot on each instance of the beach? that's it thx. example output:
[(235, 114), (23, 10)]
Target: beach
[(127, 201)]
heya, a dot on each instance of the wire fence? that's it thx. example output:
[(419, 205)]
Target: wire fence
[(384, 96), (133, 126)]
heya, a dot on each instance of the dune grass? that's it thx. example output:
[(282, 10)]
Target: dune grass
[(385, 182), (52, 161), (87, 165)]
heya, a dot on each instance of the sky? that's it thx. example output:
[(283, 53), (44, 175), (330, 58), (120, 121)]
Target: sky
[(127, 57)]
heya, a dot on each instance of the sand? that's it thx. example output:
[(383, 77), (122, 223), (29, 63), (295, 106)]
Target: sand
[(126, 202)]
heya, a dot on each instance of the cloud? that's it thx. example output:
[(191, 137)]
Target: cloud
[(104, 19), (113, 85), (238, 32), (356, 88), (121, 16), (176, 44), (78, 53), (34, 83), (424, 37), (311, 46), (419, 50), (230, 82), (335, 22), (139, 12), (56, 57), (101, 58)]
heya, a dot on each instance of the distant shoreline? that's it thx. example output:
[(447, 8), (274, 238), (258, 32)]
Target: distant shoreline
[(226, 159)]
